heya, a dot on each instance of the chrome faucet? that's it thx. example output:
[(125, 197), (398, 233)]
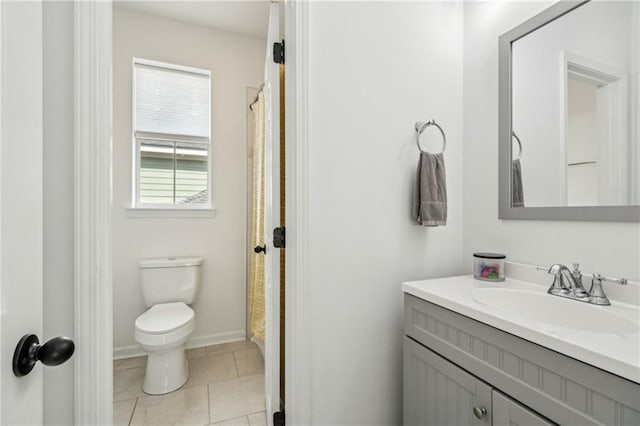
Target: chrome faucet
[(574, 289)]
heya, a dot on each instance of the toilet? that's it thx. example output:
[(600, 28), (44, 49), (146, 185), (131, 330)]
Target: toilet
[(169, 285)]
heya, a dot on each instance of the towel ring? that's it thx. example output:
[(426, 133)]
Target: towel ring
[(519, 145), (420, 128)]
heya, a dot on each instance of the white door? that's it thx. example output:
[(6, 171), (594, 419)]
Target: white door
[(272, 220), (21, 111)]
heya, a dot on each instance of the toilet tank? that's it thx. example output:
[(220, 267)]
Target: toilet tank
[(170, 279)]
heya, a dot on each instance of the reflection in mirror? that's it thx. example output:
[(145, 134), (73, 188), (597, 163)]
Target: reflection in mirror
[(517, 190), (575, 109)]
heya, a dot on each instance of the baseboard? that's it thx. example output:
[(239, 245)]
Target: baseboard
[(258, 343), (132, 351), (123, 352), (216, 339)]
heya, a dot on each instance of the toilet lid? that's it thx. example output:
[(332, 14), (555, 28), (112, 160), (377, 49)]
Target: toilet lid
[(164, 318)]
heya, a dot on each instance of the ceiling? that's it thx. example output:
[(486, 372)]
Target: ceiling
[(246, 17)]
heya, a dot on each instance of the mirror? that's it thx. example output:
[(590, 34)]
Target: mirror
[(569, 90)]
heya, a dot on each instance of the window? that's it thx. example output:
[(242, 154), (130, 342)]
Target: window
[(172, 136)]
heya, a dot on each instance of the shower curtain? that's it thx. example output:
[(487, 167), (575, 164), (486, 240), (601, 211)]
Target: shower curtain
[(256, 268)]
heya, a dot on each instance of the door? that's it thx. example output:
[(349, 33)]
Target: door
[(272, 219), (507, 412), (437, 392), (21, 172)]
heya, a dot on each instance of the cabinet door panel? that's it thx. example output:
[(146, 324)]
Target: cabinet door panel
[(507, 412), (438, 393)]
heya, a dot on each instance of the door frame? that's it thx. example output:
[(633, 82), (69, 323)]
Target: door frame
[(93, 288), (297, 303), (588, 69)]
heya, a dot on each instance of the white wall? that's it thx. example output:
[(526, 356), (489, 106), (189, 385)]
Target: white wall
[(236, 62), (634, 157), (610, 248), (598, 31), (375, 69), (58, 204)]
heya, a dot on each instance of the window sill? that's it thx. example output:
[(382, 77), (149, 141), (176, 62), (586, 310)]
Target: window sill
[(169, 212)]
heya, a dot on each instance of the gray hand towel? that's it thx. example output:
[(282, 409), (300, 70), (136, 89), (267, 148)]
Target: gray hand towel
[(430, 194), (517, 191)]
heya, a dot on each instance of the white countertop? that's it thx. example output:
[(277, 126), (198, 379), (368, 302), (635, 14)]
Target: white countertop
[(617, 353)]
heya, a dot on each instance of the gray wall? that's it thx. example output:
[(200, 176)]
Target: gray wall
[(58, 203)]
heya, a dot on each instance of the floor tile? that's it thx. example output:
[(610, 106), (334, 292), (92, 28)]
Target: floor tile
[(127, 383), (182, 407), (122, 411), (211, 368), (195, 353), (235, 398), (238, 421), (230, 347), (139, 361), (258, 419), (249, 362)]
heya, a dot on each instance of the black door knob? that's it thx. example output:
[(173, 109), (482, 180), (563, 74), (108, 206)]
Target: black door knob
[(28, 352), (259, 249)]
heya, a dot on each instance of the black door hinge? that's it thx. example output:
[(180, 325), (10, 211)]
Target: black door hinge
[(279, 237), (278, 52), (278, 418)]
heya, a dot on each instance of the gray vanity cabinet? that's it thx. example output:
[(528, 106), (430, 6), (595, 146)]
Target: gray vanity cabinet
[(438, 393), (453, 364), (509, 413)]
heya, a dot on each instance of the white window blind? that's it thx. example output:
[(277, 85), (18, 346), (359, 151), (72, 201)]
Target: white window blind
[(171, 135), (171, 101)]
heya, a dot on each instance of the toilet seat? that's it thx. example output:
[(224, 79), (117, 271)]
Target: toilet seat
[(164, 318), (164, 324)]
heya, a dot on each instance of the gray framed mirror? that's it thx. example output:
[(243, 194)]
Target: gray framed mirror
[(569, 90)]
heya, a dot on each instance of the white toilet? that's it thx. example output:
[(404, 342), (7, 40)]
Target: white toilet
[(168, 286)]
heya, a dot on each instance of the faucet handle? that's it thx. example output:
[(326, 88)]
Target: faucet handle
[(576, 267), (596, 292), (598, 277), (552, 270)]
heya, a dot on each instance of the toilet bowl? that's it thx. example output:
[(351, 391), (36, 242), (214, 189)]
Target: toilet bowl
[(162, 332), (169, 285)]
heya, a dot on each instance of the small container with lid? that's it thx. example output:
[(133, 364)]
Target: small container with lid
[(488, 266)]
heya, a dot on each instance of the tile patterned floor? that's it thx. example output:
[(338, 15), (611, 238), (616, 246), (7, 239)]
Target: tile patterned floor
[(225, 388)]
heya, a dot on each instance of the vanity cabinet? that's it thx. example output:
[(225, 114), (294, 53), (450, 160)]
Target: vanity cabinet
[(506, 411), (437, 392), (454, 364)]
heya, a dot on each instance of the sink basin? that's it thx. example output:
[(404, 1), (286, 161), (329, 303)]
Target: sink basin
[(545, 308)]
